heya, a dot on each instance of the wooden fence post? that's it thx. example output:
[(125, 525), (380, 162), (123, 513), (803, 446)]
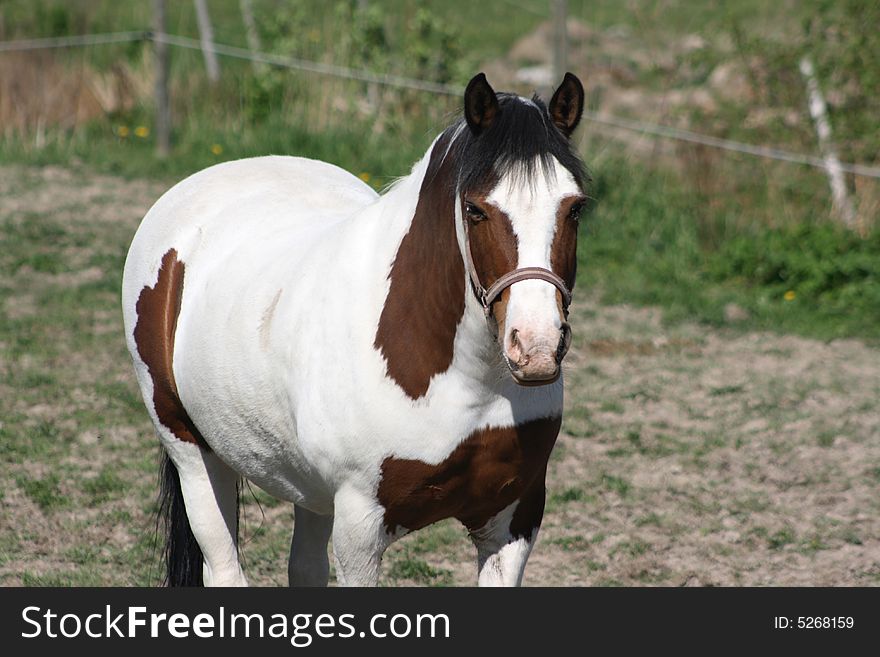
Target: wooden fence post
[(560, 38), (818, 110), (206, 32), (250, 29), (163, 105)]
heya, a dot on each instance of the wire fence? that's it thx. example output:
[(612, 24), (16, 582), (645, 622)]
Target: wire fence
[(283, 61), (74, 41), (427, 86)]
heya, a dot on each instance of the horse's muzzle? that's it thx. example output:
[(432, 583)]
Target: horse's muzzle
[(535, 360)]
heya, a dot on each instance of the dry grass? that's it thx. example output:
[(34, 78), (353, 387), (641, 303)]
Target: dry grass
[(689, 456), (39, 92)]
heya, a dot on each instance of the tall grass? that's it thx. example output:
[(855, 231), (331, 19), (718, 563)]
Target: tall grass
[(688, 228), (645, 243)]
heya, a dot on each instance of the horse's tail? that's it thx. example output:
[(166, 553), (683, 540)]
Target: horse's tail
[(183, 556)]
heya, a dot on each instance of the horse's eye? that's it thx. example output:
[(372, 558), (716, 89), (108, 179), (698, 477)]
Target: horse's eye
[(473, 212), (575, 212)]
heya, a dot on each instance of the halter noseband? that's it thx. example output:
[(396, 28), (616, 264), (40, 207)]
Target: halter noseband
[(488, 296)]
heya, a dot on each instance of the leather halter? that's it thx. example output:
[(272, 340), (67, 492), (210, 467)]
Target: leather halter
[(488, 296)]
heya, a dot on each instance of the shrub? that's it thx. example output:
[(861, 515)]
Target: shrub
[(822, 264)]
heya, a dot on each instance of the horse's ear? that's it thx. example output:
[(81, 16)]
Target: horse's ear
[(567, 104), (480, 104)]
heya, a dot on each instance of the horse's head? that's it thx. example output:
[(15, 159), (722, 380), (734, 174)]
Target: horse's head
[(520, 192)]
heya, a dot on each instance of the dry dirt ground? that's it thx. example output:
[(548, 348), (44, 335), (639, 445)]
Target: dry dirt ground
[(690, 456)]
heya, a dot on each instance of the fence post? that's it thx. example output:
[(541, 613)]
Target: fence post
[(819, 111), (250, 28), (163, 106), (206, 33), (560, 39)]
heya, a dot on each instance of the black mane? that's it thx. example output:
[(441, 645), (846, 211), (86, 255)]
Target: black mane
[(521, 136)]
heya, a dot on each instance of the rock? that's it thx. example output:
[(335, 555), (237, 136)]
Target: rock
[(692, 581), (730, 82), (735, 313), (536, 47), (536, 76), (692, 42)]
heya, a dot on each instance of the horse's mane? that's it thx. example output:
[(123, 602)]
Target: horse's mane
[(521, 138)]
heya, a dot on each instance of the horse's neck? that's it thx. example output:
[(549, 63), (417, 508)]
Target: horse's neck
[(430, 321)]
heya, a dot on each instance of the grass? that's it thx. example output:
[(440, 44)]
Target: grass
[(569, 495), (571, 543), (63, 405), (616, 484), (107, 485), (436, 538), (781, 538), (643, 245), (669, 233), (78, 453), (45, 492), (695, 241), (418, 571)]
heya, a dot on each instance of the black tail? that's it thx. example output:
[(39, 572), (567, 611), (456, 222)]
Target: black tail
[(183, 556)]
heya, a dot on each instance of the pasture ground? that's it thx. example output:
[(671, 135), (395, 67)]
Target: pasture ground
[(690, 455)]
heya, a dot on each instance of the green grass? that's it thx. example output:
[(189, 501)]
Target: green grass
[(45, 492), (569, 495), (571, 543), (692, 242), (78, 577), (107, 485), (726, 390), (633, 548), (781, 538), (64, 405), (649, 519), (419, 571), (644, 244), (436, 538), (616, 484)]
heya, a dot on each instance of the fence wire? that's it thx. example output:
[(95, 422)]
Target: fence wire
[(284, 61), (73, 41), (427, 86)]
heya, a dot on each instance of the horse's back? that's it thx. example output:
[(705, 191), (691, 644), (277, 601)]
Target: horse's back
[(197, 266), (252, 194), (224, 206)]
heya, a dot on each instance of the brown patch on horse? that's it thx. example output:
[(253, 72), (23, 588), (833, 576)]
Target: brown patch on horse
[(495, 249), (530, 511), (563, 251), (158, 308), (425, 301), (488, 471)]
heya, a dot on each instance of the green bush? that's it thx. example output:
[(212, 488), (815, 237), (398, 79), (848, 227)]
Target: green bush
[(822, 264), (642, 245)]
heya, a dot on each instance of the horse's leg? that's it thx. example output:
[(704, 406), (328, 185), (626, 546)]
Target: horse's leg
[(309, 563), (505, 542), (210, 494), (359, 538)]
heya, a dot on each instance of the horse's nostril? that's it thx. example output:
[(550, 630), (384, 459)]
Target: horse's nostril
[(564, 342), (515, 350)]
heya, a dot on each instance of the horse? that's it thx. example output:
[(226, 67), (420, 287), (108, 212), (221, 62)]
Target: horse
[(382, 361)]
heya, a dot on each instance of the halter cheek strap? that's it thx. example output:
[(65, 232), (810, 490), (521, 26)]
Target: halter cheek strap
[(488, 296)]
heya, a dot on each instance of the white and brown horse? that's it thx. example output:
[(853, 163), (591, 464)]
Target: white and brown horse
[(383, 362)]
